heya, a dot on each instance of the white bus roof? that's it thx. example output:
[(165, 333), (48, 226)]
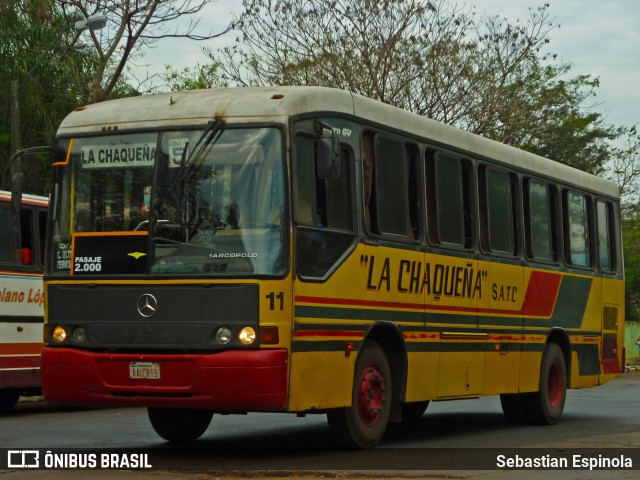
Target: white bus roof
[(277, 104)]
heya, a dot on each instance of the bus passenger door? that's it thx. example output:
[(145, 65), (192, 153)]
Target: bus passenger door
[(455, 283), (500, 305), (327, 314), (500, 318), (452, 307)]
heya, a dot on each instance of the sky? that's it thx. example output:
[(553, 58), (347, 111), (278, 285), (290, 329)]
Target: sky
[(599, 38)]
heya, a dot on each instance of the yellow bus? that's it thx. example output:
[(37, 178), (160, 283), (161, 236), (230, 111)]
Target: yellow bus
[(23, 219), (309, 250)]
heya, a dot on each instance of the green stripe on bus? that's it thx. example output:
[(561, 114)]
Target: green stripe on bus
[(572, 302)]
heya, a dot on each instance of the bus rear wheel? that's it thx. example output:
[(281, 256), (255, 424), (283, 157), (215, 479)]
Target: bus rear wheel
[(363, 424), (179, 424), (545, 406)]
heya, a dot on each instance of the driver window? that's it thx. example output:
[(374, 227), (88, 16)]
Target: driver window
[(322, 210)]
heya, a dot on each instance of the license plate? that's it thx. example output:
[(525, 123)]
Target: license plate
[(144, 370)]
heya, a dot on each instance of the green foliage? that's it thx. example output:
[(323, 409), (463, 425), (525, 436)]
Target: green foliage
[(197, 78), (52, 74), (631, 242)]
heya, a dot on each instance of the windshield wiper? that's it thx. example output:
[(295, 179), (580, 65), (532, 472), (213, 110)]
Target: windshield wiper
[(188, 161), (208, 138)]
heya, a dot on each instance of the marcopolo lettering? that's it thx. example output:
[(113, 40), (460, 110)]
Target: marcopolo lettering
[(233, 255)]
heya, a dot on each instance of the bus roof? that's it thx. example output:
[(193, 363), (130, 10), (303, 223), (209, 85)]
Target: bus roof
[(279, 103)]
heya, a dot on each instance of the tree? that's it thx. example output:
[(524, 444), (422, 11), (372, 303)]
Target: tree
[(625, 164), (199, 77), (434, 58), (132, 28), (41, 72), (631, 242), (55, 68)]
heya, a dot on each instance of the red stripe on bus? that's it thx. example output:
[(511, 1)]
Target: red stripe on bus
[(327, 333), (29, 361), (354, 302), (539, 301), (541, 295), (21, 349), (401, 305)]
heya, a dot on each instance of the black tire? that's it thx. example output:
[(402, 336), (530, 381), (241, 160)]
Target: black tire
[(179, 424), (411, 412), (8, 400), (362, 425), (514, 406), (545, 406)]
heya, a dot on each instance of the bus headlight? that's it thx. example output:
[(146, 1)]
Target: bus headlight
[(247, 336), (79, 335), (223, 335), (59, 334)]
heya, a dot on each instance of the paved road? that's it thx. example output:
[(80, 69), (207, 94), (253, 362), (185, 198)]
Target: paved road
[(447, 437)]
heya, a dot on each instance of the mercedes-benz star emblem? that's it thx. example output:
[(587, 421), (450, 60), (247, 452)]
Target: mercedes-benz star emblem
[(147, 305)]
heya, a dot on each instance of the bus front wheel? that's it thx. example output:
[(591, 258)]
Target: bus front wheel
[(363, 424), (179, 424)]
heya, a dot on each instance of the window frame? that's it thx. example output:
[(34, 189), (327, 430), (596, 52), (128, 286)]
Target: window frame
[(412, 187), (484, 206), (383, 204), (467, 197), (611, 233), (37, 247), (552, 216), (301, 229), (588, 229)]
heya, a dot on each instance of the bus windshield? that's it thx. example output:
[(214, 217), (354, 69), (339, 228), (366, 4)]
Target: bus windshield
[(173, 202)]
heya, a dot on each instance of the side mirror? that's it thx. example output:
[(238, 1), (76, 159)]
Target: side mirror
[(329, 157), (17, 184)]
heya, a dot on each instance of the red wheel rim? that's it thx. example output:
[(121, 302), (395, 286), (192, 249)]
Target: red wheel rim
[(555, 384), (371, 395)]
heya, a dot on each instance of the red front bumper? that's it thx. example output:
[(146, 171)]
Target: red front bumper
[(249, 380)]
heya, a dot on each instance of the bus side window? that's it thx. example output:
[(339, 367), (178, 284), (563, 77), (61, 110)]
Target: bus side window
[(449, 199), (391, 178), (606, 238), (496, 198), (7, 249), (26, 237), (322, 211), (539, 221), (577, 241), (9, 252), (392, 187)]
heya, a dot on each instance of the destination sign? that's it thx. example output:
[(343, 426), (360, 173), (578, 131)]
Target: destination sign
[(114, 156)]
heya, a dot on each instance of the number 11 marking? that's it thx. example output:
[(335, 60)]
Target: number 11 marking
[(272, 296)]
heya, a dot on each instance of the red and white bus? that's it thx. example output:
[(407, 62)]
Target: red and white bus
[(22, 233)]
